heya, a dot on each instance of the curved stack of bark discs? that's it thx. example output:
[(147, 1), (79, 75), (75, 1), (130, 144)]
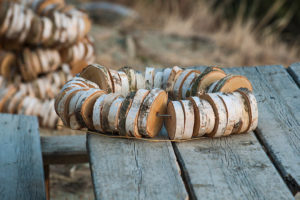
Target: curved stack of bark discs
[(42, 43), (85, 104), (107, 100), (213, 114)]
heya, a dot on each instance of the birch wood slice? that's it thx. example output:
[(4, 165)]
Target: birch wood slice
[(126, 104), (35, 61), (196, 104), (155, 103), (14, 101), (208, 77), (188, 110), (76, 120), (158, 80), (105, 110), (131, 125), (149, 77), (72, 106), (178, 82), (8, 93), (231, 83), (81, 82), (207, 117), (204, 117), (166, 74), (124, 83), (29, 108), (175, 123), (98, 74), (252, 108), (188, 73), (88, 106), (60, 96), (212, 87), (243, 113), (61, 105), (220, 114), (215, 68), (96, 113), (111, 80), (131, 77), (232, 107), (116, 81), (7, 62), (72, 83), (176, 71), (113, 115), (140, 80), (186, 86), (7, 101)]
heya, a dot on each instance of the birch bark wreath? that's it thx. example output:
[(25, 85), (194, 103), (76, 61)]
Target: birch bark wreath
[(188, 102)]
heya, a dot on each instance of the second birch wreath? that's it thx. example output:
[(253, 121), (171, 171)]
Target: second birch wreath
[(133, 104)]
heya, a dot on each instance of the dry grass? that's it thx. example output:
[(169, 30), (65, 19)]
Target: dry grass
[(241, 42)]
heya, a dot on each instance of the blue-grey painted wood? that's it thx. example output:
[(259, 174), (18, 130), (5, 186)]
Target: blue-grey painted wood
[(134, 169), (234, 167), (21, 166), (279, 118), (294, 71)]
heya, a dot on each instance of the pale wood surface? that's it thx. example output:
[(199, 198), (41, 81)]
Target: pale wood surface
[(233, 167), (279, 118), (134, 169), (294, 71), (21, 167), (260, 165), (64, 149)]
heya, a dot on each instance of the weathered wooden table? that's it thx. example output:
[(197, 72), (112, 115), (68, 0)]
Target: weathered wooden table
[(264, 164)]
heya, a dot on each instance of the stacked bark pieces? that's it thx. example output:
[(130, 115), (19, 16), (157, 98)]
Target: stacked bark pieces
[(212, 114), (43, 43), (107, 100), (82, 104)]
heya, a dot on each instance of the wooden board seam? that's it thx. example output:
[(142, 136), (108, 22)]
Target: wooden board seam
[(184, 173), (288, 180), (293, 75)]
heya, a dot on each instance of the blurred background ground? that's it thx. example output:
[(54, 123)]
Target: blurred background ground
[(184, 33)]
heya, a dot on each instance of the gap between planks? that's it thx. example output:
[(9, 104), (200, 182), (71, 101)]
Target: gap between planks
[(286, 176), (289, 181), (293, 73), (184, 173)]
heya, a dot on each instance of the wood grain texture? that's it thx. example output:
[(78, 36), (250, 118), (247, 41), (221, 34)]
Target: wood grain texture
[(21, 166), (64, 149), (134, 169), (278, 129), (233, 167), (294, 71)]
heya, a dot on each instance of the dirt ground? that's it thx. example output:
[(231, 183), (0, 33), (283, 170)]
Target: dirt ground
[(163, 45)]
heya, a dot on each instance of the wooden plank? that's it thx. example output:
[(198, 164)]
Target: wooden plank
[(21, 167), (232, 167), (64, 149), (134, 169), (279, 118), (294, 71)]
